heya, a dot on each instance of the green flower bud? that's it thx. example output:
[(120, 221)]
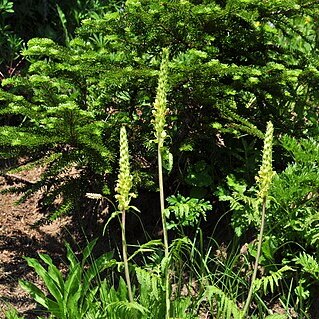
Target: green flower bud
[(125, 179), (160, 109), (266, 173)]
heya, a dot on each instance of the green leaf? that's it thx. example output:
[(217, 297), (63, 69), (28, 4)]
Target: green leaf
[(198, 175), (50, 282), (98, 265), (167, 157), (53, 271), (147, 247), (73, 290), (73, 282), (88, 250), (35, 292), (277, 316), (122, 289), (70, 256), (64, 24)]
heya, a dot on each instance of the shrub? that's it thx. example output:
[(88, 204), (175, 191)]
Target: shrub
[(232, 70)]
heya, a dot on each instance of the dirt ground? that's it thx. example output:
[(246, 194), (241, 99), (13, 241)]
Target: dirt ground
[(23, 234)]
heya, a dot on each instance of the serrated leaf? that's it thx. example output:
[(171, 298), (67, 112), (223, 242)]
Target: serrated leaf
[(122, 289)]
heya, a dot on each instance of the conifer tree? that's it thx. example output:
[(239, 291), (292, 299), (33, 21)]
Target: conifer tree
[(235, 65)]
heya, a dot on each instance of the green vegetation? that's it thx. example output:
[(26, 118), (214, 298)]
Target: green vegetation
[(204, 78)]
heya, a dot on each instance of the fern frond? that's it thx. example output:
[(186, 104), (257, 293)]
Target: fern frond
[(187, 211), (271, 280), (303, 150), (125, 309), (152, 293), (309, 264), (150, 285), (243, 205), (242, 123), (147, 247), (226, 306)]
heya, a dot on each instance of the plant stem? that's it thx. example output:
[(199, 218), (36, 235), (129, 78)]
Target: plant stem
[(161, 188), (125, 259), (253, 278)]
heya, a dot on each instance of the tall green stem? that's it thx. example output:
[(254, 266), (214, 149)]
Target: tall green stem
[(125, 259), (159, 112), (165, 235), (161, 189), (254, 275)]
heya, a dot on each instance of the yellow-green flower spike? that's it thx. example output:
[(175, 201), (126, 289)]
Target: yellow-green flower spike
[(160, 110), (266, 173), (125, 179)]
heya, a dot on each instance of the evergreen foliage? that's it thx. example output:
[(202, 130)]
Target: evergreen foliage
[(231, 71), (10, 43)]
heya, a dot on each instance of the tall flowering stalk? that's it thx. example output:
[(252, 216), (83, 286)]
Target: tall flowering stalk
[(124, 195), (159, 122), (266, 173), (160, 110), (263, 179)]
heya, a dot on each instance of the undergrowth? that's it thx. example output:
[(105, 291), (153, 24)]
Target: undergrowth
[(191, 277)]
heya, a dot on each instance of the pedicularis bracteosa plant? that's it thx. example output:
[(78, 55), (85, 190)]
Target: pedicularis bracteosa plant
[(264, 179), (124, 195), (159, 112)]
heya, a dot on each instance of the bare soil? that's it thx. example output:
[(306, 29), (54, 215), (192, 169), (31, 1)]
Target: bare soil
[(23, 233)]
